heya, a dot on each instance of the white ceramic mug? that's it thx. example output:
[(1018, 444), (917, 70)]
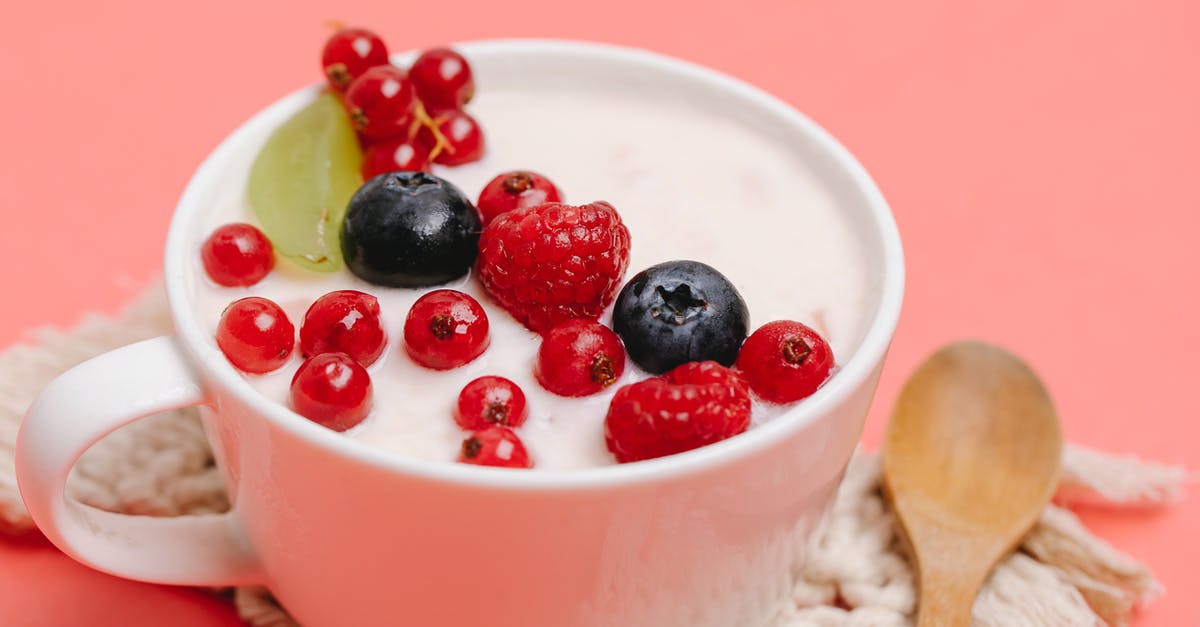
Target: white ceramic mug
[(345, 534)]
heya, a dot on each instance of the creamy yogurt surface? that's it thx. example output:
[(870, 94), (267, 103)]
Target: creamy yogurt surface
[(688, 183)]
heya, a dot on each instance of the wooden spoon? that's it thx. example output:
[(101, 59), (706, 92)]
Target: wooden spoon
[(970, 459)]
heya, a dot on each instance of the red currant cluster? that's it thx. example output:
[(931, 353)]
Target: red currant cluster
[(406, 120)]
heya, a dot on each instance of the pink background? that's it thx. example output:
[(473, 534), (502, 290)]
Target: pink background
[(1040, 157)]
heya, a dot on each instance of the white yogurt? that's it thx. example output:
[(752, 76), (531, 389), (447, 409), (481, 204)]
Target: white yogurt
[(689, 185)]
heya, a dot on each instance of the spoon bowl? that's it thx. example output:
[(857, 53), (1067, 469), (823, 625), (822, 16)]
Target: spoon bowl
[(971, 457)]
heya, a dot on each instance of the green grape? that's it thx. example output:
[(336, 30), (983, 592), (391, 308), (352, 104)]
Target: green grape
[(302, 180)]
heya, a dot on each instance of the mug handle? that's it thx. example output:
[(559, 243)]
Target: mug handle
[(79, 408)]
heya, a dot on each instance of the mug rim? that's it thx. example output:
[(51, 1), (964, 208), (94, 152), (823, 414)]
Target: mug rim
[(871, 350)]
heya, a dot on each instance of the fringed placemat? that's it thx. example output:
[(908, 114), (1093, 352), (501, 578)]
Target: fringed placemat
[(856, 572)]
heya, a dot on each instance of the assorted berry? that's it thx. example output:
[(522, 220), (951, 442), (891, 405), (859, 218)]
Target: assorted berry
[(489, 401), (393, 155), (255, 335), (515, 190), (495, 446), (678, 312), (410, 229), (345, 321), (696, 404), (553, 267), (443, 79), (332, 390), (579, 358), (381, 102), (785, 361), (349, 53), (445, 329), (460, 136), (554, 262), (237, 255)]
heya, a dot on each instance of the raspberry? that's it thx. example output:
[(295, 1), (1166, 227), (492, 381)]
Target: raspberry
[(554, 262), (785, 361), (691, 406), (345, 321), (488, 401), (495, 446), (445, 329), (579, 358)]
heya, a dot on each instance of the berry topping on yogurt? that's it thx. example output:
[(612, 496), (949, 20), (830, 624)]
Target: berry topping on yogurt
[(785, 361), (237, 255), (410, 229), (680, 311), (488, 401), (693, 405), (345, 321), (579, 358), (515, 190), (495, 446), (255, 335), (332, 390), (554, 262), (445, 329)]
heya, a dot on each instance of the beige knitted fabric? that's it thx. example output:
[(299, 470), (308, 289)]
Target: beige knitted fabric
[(855, 574)]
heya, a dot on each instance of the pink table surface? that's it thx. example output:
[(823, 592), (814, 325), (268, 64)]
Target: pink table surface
[(1040, 157)]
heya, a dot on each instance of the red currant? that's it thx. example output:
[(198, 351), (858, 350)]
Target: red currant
[(255, 335), (462, 139), (785, 361), (445, 329), (495, 446), (380, 102), (488, 401), (395, 154), (350, 52), (442, 78), (237, 255), (345, 321), (579, 357), (515, 190), (332, 390)]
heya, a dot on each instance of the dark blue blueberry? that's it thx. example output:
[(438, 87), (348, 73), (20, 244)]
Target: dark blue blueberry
[(410, 229), (680, 311)]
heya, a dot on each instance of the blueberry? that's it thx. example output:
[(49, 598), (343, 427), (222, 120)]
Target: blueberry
[(680, 311), (410, 229)]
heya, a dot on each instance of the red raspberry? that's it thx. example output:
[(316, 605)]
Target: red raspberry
[(395, 154), (579, 358), (495, 446), (488, 401), (442, 78), (332, 390), (691, 406), (350, 52), (554, 262), (345, 321), (785, 361), (515, 190), (255, 335), (237, 255), (445, 329)]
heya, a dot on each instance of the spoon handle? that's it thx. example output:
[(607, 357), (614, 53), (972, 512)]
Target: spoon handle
[(948, 591)]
